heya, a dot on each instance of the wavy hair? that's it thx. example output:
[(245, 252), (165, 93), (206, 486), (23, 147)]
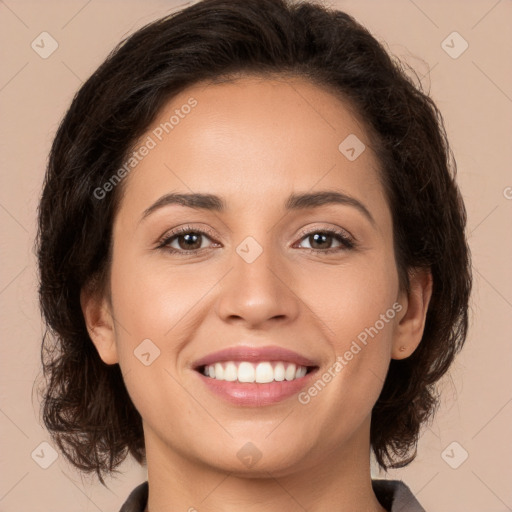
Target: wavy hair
[(85, 405)]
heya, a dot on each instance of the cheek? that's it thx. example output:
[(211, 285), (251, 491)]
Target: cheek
[(153, 310), (349, 298), (155, 303), (361, 326), (356, 310)]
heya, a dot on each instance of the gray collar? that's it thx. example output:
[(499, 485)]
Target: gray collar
[(393, 495)]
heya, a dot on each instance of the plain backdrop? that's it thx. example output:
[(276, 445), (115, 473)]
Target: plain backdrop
[(464, 457)]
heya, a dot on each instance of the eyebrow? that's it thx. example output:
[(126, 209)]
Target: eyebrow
[(294, 202)]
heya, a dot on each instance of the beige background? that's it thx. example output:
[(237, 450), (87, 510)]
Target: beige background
[(474, 92)]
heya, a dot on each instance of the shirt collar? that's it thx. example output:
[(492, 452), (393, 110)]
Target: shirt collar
[(393, 495)]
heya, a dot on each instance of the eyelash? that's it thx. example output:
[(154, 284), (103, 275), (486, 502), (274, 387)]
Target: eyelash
[(346, 241)]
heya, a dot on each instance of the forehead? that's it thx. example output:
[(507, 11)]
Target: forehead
[(254, 139)]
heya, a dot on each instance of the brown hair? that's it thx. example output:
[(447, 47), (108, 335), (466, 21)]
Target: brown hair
[(85, 404)]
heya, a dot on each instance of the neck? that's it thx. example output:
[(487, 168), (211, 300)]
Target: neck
[(338, 480)]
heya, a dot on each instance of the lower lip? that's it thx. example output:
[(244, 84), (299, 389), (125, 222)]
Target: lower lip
[(254, 394)]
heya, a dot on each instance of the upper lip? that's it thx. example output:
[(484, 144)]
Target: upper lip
[(254, 354)]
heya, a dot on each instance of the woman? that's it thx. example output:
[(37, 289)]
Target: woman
[(253, 263)]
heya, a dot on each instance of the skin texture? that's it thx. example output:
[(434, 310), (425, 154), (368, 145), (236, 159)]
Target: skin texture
[(254, 142)]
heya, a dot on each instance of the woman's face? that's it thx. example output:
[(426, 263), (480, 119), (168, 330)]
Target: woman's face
[(266, 275)]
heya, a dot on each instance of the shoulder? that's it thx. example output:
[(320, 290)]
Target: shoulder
[(395, 496), (137, 500)]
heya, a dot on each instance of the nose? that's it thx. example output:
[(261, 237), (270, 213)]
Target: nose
[(259, 292)]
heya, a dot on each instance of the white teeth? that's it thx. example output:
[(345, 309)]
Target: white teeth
[(264, 373), (219, 371), (279, 372), (301, 371), (230, 372), (290, 372), (246, 372), (261, 373)]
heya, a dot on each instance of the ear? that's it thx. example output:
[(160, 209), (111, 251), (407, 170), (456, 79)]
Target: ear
[(98, 317), (411, 320)]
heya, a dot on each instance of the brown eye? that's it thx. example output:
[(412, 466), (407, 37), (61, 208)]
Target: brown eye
[(189, 241), (320, 241), (323, 240), (185, 240)]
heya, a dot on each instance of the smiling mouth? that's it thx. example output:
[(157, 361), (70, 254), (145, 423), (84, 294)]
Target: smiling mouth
[(262, 372)]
